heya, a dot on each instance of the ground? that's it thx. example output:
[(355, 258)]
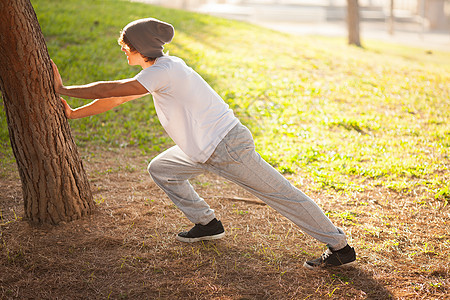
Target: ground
[(127, 248)]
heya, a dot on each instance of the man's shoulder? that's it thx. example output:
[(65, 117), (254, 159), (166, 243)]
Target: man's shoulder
[(171, 64), (169, 60), (164, 68)]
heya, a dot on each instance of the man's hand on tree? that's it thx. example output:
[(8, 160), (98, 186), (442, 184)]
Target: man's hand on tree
[(57, 81), (67, 109)]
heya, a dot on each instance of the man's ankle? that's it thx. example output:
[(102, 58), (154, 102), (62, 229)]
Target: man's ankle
[(212, 222), (346, 249)]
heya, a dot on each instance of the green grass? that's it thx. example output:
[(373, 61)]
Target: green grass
[(350, 119)]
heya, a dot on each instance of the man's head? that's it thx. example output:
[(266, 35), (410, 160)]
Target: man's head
[(146, 36)]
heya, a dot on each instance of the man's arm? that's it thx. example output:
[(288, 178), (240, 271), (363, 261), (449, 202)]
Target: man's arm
[(101, 89), (95, 107)]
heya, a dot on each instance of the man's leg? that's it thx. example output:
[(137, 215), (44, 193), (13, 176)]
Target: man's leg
[(171, 171), (235, 159)]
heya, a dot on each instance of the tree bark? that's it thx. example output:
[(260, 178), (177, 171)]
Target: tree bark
[(391, 17), (54, 184), (353, 22)]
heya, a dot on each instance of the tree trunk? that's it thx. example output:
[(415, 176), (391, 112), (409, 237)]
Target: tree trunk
[(54, 184), (391, 17), (435, 12), (353, 22)]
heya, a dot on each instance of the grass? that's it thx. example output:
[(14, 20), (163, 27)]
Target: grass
[(351, 119), (364, 131)]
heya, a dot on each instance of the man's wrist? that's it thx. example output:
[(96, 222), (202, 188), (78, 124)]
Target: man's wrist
[(60, 89)]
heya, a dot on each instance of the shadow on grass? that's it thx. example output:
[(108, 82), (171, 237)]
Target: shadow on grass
[(363, 281), (284, 277), (85, 260)]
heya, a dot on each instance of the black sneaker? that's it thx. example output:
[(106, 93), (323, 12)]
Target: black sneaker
[(211, 231), (343, 257)]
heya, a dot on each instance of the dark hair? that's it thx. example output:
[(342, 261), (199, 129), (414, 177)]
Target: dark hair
[(123, 41)]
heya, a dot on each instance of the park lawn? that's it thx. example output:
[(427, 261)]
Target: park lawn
[(365, 131)]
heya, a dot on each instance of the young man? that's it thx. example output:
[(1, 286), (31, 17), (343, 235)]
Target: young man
[(208, 137)]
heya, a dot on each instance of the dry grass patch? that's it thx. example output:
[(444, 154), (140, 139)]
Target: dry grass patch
[(127, 250)]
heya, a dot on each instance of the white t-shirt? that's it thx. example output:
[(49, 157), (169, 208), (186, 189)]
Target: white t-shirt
[(191, 112)]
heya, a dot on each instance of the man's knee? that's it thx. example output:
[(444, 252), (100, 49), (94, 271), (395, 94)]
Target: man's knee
[(154, 168)]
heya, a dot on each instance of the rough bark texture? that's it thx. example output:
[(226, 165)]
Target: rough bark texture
[(54, 184), (353, 22)]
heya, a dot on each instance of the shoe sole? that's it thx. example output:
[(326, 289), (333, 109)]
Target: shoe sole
[(349, 264), (203, 238)]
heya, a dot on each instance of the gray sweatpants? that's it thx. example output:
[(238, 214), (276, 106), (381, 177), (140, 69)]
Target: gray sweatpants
[(235, 159)]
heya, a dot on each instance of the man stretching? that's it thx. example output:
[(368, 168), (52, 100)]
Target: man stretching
[(208, 137)]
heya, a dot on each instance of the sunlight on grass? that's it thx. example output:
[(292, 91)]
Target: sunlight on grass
[(351, 119)]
